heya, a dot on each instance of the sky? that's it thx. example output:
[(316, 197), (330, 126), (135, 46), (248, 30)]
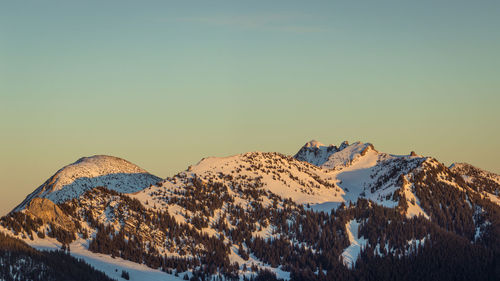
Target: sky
[(166, 83)]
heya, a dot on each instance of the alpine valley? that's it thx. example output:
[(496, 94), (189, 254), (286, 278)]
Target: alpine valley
[(346, 212)]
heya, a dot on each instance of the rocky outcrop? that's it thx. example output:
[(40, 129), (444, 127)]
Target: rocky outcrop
[(49, 212)]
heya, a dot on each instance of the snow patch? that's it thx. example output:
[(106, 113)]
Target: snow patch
[(414, 208), (110, 266), (351, 253)]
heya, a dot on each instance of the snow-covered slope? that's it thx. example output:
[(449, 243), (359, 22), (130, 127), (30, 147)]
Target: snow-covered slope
[(355, 171), (487, 183), (280, 174), (89, 172), (360, 170), (233, 205), (112, 267)]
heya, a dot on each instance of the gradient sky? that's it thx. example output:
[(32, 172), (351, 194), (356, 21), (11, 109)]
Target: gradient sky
[(165, 83)]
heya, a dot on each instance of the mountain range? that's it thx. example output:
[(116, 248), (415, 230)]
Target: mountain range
[(347, 212)]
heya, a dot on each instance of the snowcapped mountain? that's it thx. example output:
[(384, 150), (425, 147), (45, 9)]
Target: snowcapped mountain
[(361, 171), (89, 172), (327, 213)]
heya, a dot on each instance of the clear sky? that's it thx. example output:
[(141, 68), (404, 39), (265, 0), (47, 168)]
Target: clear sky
[(165, 83)]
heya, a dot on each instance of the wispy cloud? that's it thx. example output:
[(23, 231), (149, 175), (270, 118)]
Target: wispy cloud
[(280, 22)]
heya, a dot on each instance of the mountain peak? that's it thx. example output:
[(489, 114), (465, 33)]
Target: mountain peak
[(314, 143), (318, 154), (343, 145), (89, 172), (315, 152), (92, 167), (97, 159)]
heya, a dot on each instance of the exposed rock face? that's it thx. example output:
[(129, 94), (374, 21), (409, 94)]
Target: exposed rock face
[(315, 152), (331, 156), (343, 145), (367, 148), (49, 212)]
